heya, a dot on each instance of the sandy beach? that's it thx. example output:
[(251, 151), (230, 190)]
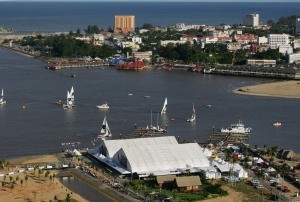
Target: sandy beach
[(282, 89), (34, 185)]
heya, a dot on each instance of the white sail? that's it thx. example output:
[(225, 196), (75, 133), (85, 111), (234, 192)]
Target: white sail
[(70, 99), (193, 117), (2, 101), (105, 131), (164, 109), (72, 94)]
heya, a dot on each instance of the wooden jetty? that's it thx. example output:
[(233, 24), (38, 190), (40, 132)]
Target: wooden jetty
[(144, 132), (228, 138)]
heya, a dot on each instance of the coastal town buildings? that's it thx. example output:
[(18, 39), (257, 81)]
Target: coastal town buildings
[(124, 23), (251, 20)]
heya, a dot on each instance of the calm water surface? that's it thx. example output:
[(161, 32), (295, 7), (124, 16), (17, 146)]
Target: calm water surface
[(43, 126)]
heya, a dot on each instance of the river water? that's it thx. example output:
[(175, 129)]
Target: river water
[(43, 125)]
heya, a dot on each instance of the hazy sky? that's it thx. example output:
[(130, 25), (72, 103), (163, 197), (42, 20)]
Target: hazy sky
[(161, 0)]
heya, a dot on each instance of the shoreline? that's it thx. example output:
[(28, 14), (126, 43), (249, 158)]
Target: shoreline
[(280, 89)]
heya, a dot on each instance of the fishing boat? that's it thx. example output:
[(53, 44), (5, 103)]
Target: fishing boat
[(238, 128), (104, 106), (105, 131), (70, 99), (164, 108), (2, 101), (193, 117), (277, 124)]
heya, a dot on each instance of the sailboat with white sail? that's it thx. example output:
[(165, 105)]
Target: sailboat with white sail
[(193, 117), (164, 108), (70, 99), (2, 101), (105, 131)]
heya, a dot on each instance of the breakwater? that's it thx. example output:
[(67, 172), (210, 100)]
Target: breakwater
[(278, 72)]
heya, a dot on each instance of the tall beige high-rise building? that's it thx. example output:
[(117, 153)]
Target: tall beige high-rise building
[(124, 23)]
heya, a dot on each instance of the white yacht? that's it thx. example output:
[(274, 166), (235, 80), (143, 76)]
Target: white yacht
[(70, 99), (237, 128), (104, 106), (2, 101), (164, 108)]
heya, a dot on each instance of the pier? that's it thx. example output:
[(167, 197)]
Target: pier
[(70, 65), (228, 138)]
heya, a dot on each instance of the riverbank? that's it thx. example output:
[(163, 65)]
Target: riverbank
[(282, 89)]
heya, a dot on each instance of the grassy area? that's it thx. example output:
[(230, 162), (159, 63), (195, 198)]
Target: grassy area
[(151, 190), (250, 193)]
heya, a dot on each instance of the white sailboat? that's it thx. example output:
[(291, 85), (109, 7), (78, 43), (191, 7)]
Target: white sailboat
[(2, 101), (105, 131), (193, 117), (164, 109), (70, 99)]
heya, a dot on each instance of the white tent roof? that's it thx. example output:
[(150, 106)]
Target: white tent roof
[(113, 146), (146, 158)]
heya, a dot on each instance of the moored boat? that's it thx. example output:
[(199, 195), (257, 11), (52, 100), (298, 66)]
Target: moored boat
[(237, 128)]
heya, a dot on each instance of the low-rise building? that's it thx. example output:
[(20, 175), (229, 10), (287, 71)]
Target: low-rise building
[(294, 58), (163, 180), (147, 55), (286, 49), (174, 42), (188, 183)]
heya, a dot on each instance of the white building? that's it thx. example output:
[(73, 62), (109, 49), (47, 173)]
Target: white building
[(174, 42), (262, 40), (136, 39), (294, 58), (152, 155), (98, 39), (275, 40), (251, 20), (286, 49), (261, 62), (297, 44), (298, 25), (147, 55)]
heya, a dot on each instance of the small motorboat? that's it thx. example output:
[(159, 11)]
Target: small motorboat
[(277, 124), (104, 106)]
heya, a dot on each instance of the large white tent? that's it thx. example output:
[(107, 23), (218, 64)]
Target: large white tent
[(156, 155)]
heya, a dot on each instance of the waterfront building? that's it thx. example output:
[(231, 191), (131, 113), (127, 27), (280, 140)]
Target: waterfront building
[(147, 55), (124, 23), (251, 20), (151, 155), (275, 40), (298, 25)]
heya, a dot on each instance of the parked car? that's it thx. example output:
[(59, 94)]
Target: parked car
[(284, 189), (259, 186)]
